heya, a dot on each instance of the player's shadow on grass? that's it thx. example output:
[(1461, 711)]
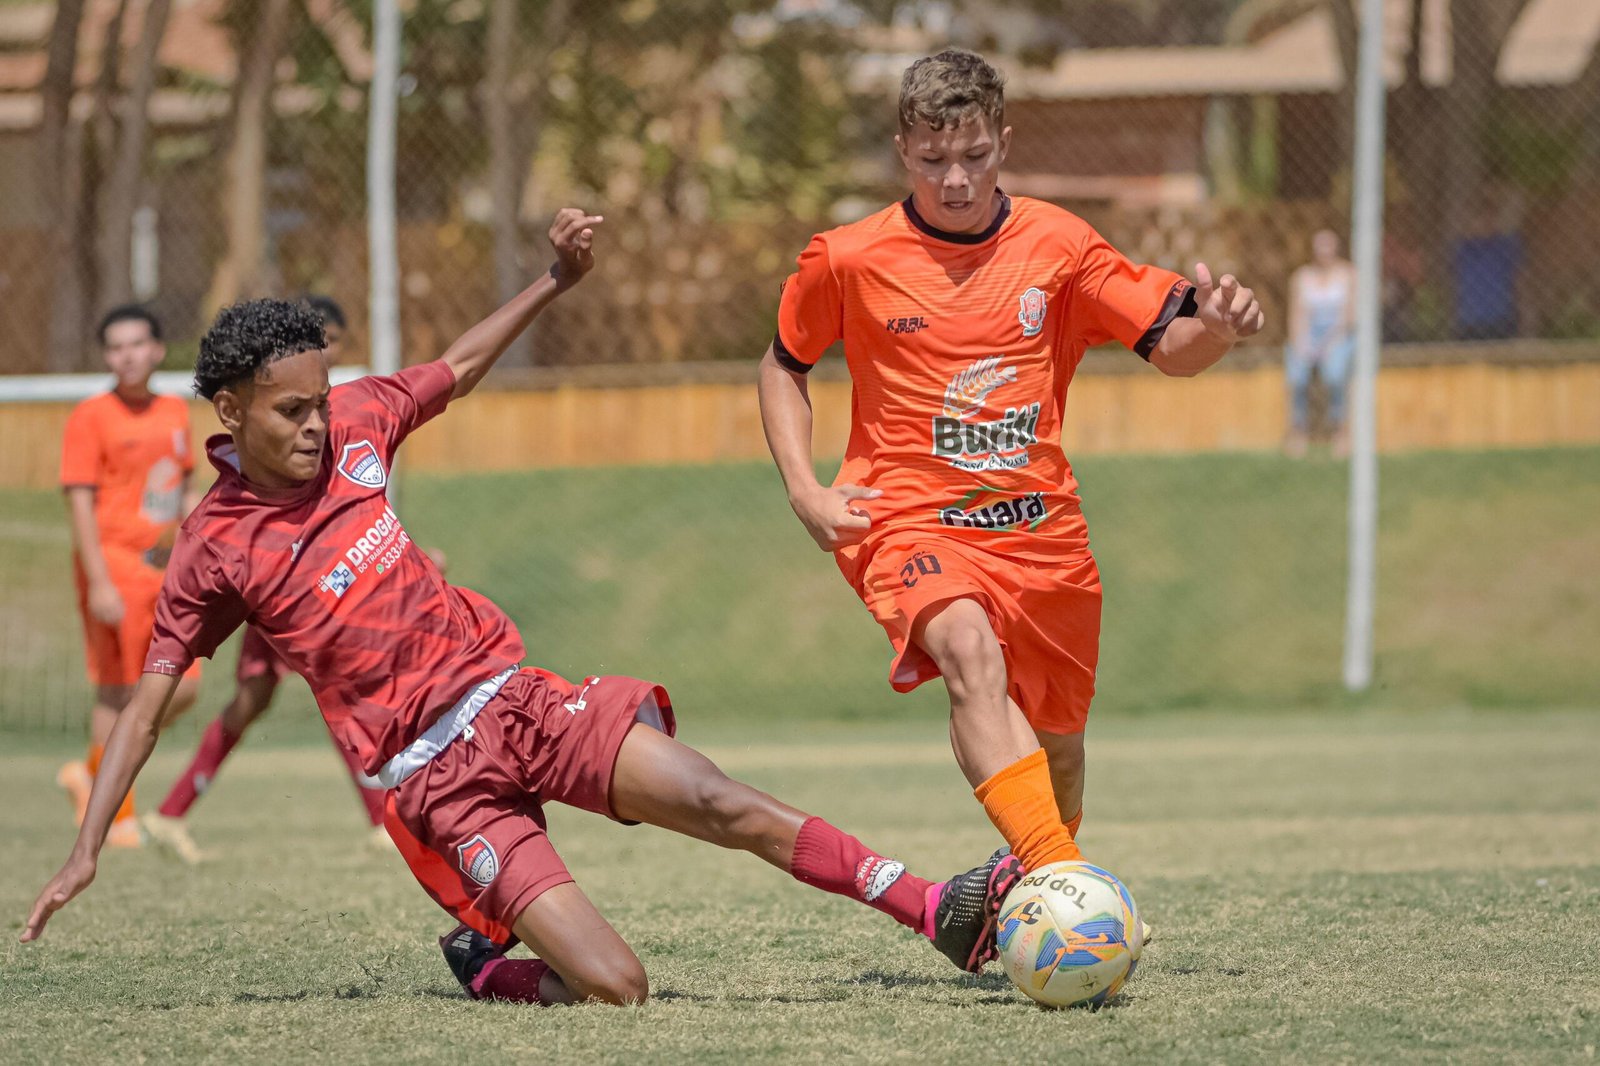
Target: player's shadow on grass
[(989, 982)]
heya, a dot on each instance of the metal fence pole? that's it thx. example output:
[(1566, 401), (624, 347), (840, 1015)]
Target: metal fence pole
[(1366, 212), (383, 250)]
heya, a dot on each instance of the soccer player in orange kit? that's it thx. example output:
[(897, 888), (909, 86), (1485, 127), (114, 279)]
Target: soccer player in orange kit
[(125, 470), (955, 517)]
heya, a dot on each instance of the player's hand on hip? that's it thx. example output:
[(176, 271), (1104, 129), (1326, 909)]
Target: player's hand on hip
[(1227, 310), (105, 603), (833, 515), (572, 234), (73, 878)]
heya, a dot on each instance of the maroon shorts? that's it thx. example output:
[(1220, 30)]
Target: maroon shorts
[(257, 659), (470, 823)]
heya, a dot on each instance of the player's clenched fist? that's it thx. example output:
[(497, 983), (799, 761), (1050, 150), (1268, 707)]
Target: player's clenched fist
[(572, 234), (1227, 309), (833, 515)]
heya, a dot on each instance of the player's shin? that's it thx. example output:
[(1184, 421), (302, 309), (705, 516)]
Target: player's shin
[(1021, 803)]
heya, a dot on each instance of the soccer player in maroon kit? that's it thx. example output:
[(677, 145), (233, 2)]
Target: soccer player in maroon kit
[(423, 682), (257, 676)]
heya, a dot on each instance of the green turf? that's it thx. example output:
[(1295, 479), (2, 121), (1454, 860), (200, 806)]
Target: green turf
[(1338, 888), (1224, 579)]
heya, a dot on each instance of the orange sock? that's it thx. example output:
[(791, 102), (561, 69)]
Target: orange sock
[(1077, 820), (96, 753), (1022, 805)]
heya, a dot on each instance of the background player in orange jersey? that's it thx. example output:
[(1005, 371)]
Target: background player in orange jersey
[(256, 678), (964, 313), (125, 467)]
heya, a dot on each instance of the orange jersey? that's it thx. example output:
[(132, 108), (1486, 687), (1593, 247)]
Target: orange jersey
[(961, 348), (136, 460)]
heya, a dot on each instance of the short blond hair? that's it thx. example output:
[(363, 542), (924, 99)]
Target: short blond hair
[(949, 88)]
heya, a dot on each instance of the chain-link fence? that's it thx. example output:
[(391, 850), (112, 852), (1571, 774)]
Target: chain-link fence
[(716, 136)]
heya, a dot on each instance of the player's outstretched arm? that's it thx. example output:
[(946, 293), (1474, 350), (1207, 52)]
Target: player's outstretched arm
[(833, 514), (1227, 313), (470, 357), (131, 743)]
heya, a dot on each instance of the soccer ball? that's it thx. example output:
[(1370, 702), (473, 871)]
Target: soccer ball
[(1069, 935)]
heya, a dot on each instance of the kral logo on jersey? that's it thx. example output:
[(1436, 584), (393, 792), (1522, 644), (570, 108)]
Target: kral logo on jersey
[(972, 445), (478, 860), (1032, 313), (360, 463)]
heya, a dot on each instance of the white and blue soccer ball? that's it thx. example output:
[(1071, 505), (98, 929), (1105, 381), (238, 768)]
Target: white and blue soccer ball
[(1069, 935)]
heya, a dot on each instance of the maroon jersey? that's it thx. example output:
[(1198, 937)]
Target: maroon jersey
[(328, 575)]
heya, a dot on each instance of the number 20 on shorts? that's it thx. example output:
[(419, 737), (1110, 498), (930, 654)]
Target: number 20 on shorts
[(921, 565)]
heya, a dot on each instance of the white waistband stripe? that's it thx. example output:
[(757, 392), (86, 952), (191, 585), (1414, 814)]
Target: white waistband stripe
[(439, 735)]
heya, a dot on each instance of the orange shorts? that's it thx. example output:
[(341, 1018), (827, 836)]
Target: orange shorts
[(1046, 614), (116, 653)]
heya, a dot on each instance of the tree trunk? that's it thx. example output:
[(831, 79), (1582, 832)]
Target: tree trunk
[(514, 111), (504, 157), (64, 347), (242, 270), (69, 325), (1478, 31), (125, 179), (1346, 33)]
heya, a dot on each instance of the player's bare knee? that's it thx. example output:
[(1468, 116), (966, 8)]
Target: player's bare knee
[(621, 983), (971, 661)]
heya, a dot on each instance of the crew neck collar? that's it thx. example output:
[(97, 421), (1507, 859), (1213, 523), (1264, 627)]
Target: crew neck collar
[(1000, 216)]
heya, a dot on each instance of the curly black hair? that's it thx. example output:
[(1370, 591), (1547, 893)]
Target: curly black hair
[(249, 335)]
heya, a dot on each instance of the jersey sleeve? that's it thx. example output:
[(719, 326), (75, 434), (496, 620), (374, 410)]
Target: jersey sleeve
[(810, 310), (1115, 299), (80, 448), (198, 609), (398, 403)]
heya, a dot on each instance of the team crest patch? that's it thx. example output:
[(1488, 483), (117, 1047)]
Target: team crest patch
[(1032, 313), (478, 860), (360, 463)]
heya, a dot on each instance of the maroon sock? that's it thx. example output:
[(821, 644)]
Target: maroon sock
[(834, 861), (510, 980), (214, 747)]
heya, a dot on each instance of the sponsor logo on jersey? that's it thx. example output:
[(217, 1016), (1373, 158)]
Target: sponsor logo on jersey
[(972, 445), (914, 324), (382, 544), (998, 445), (875, 874), (1008, 513), (1032, 313), (967, 391), (477, 860), (359, 463), (338, 580)]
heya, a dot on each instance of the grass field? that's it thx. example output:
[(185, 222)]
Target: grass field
[(1328, 888), (1224, 579)]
